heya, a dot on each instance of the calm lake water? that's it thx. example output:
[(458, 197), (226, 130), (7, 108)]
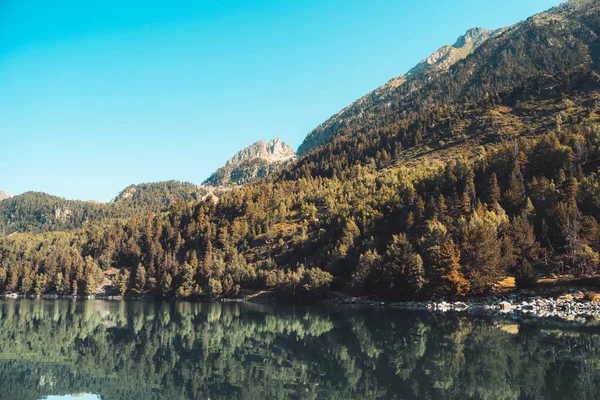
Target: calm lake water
[(151, 350)]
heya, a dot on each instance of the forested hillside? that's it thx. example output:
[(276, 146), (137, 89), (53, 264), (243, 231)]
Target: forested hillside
[(154, 197), (488, 169), (37, 212)]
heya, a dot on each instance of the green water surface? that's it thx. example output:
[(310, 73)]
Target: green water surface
[(160, 350)]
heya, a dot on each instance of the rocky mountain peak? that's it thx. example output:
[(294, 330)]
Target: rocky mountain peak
[(473, 35), (255, 161), (4, 195), (273, 151), (439, 61), (446, 56)]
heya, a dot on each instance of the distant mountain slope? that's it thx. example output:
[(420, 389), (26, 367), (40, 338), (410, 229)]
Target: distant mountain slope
[(155, 196), (40, 212), (480, 62), (255, 161), (4, 195)]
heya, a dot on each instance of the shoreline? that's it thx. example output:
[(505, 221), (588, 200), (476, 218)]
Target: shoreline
[(568, 304)]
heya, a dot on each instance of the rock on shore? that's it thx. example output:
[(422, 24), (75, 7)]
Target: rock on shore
[(569, 305)]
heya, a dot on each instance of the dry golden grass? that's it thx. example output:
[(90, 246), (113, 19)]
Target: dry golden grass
[(569, 280), (502, 121), (512, 329), (592, 296), (507, 283)]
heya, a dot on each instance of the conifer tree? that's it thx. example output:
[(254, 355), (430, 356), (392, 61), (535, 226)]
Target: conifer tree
[(493, 191), (452, 277)]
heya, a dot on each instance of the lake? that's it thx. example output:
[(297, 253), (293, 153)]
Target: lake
[(95, 349)]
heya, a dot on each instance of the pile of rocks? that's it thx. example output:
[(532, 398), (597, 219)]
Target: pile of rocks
[(568, 305)]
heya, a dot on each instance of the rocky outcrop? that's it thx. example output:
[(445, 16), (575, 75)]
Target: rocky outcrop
[(255, 161), (446, 56), (273, 151), (4, 195)]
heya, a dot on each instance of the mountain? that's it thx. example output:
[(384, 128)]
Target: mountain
[(439, 61), (443, 184), (40, 212), (255, 161), (155, 196), (480, 62), (447, 56), (4, 195)]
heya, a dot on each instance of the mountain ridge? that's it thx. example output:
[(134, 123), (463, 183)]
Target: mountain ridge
[(440, 60), (455, 81), (448, 55)]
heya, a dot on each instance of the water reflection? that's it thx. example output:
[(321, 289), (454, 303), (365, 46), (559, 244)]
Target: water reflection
[(147, 350)]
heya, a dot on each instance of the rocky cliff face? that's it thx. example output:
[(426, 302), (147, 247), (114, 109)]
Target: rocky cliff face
[(255, 161), (439, 61), (4, 195), (446, 56), (274, 151)]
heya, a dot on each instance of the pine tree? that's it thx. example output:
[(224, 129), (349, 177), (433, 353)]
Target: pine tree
[(166, 284), (91, 276), (569, 188), (452, 277), (139, 281), (481, 253), (525, 277), (515, 195), (121, 281), (523, 240), (346, 240), (404, 267), (208, 261), (186, 281), (465, 203), (441, 207), (367, 263), (493, 191)]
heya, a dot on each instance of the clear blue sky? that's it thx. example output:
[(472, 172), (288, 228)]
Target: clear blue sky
[(96, 95)]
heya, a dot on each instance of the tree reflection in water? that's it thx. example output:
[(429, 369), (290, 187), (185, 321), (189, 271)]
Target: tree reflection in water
[(152, 350)]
